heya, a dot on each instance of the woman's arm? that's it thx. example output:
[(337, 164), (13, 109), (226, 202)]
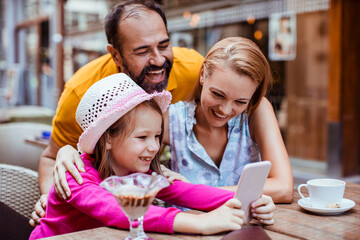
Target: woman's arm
[(265, 131)]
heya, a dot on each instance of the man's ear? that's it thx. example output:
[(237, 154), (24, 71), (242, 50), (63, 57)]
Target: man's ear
[(115, 56)]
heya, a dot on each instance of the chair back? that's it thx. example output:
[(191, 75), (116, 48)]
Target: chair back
[(13, 148), (19, 188)]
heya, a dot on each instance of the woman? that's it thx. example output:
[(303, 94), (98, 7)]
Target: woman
[(214, 134)]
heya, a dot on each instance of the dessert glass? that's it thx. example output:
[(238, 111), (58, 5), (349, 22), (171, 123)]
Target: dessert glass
[(135, 193)]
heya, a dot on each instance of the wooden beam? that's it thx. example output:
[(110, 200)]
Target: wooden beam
[(31, 22), (60, 47), (344, 85), (350, 110), (334, 87), (38, 65)]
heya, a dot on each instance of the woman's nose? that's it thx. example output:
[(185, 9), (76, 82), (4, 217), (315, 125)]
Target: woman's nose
[(226, 108)]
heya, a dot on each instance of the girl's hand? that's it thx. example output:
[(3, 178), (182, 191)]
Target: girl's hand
[(66, 159), (263, 209), (228, 217), (171, 175)]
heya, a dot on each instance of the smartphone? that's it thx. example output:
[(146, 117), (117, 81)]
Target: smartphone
[(251, 184)]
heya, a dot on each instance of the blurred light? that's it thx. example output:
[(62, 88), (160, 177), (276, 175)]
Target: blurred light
[(194, 20), (187, 15), (258, 35), (250, 19), (57, 38), (193, 24)]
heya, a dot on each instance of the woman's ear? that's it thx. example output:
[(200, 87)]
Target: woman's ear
[(201, 74), (115, 56), (201, 80)]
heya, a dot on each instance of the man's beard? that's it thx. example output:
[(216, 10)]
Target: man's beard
[(148, 86)]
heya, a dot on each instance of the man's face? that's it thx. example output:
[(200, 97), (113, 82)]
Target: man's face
[(146, 55)]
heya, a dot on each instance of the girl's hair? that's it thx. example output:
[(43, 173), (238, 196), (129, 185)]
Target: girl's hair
[(123, 128), (242, 56)]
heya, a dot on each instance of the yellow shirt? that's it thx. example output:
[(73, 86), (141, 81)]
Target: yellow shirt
[(182, 79)]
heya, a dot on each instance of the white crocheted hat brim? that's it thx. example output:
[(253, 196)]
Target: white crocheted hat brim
[(93, 132)]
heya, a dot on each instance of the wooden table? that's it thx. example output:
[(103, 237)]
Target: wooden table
[(43, 143), (291, 222)]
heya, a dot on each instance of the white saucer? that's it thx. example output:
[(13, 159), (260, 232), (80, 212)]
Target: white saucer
[(346, 205)]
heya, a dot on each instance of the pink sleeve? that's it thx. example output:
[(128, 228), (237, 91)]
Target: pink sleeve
[(98, 203), (195, 196)]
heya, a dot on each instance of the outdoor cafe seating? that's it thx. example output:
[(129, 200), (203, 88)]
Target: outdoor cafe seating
[(19, 193), (14, 148)]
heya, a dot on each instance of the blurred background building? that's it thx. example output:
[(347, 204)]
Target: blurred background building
[(43, 42)]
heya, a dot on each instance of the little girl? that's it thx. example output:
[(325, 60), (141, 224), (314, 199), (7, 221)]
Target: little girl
[(123, 127)]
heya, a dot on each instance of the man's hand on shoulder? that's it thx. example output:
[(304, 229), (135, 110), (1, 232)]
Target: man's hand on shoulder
[(67, 159)]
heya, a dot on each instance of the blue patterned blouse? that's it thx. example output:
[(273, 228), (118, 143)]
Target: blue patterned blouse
[(189, 158)]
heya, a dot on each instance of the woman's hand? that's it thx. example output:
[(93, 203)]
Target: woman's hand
[(171, 175), (39, 211), (66, 160), (263, 209)]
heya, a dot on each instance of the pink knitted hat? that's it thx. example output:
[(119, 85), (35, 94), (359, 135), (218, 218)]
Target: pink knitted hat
[(108, 100)]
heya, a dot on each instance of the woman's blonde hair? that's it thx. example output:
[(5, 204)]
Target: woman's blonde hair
[(123, 128), (242, 56)]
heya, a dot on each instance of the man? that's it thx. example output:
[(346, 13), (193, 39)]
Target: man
[(139, 46)]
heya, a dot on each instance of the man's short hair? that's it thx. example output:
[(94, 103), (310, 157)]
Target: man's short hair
[(113, 18)]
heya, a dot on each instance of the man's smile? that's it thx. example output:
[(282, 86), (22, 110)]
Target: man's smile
[(156, 76)]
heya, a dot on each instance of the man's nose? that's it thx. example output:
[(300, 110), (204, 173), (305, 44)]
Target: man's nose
[(156, 58)]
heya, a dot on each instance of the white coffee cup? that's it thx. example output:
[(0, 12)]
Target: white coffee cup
[(323, 192)]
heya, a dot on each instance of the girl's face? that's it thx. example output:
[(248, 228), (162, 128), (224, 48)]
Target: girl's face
[(225, 95), (134, 153)]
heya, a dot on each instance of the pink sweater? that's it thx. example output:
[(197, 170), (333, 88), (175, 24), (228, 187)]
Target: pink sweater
[(91, 206)]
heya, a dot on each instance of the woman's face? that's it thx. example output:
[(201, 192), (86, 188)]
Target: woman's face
[(225, 95), (134, 152)]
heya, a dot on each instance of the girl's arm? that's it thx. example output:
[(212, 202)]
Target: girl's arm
[(228, 217), (225, 211), (195, 196), (265, 131), (98, 203), (207, 198)]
